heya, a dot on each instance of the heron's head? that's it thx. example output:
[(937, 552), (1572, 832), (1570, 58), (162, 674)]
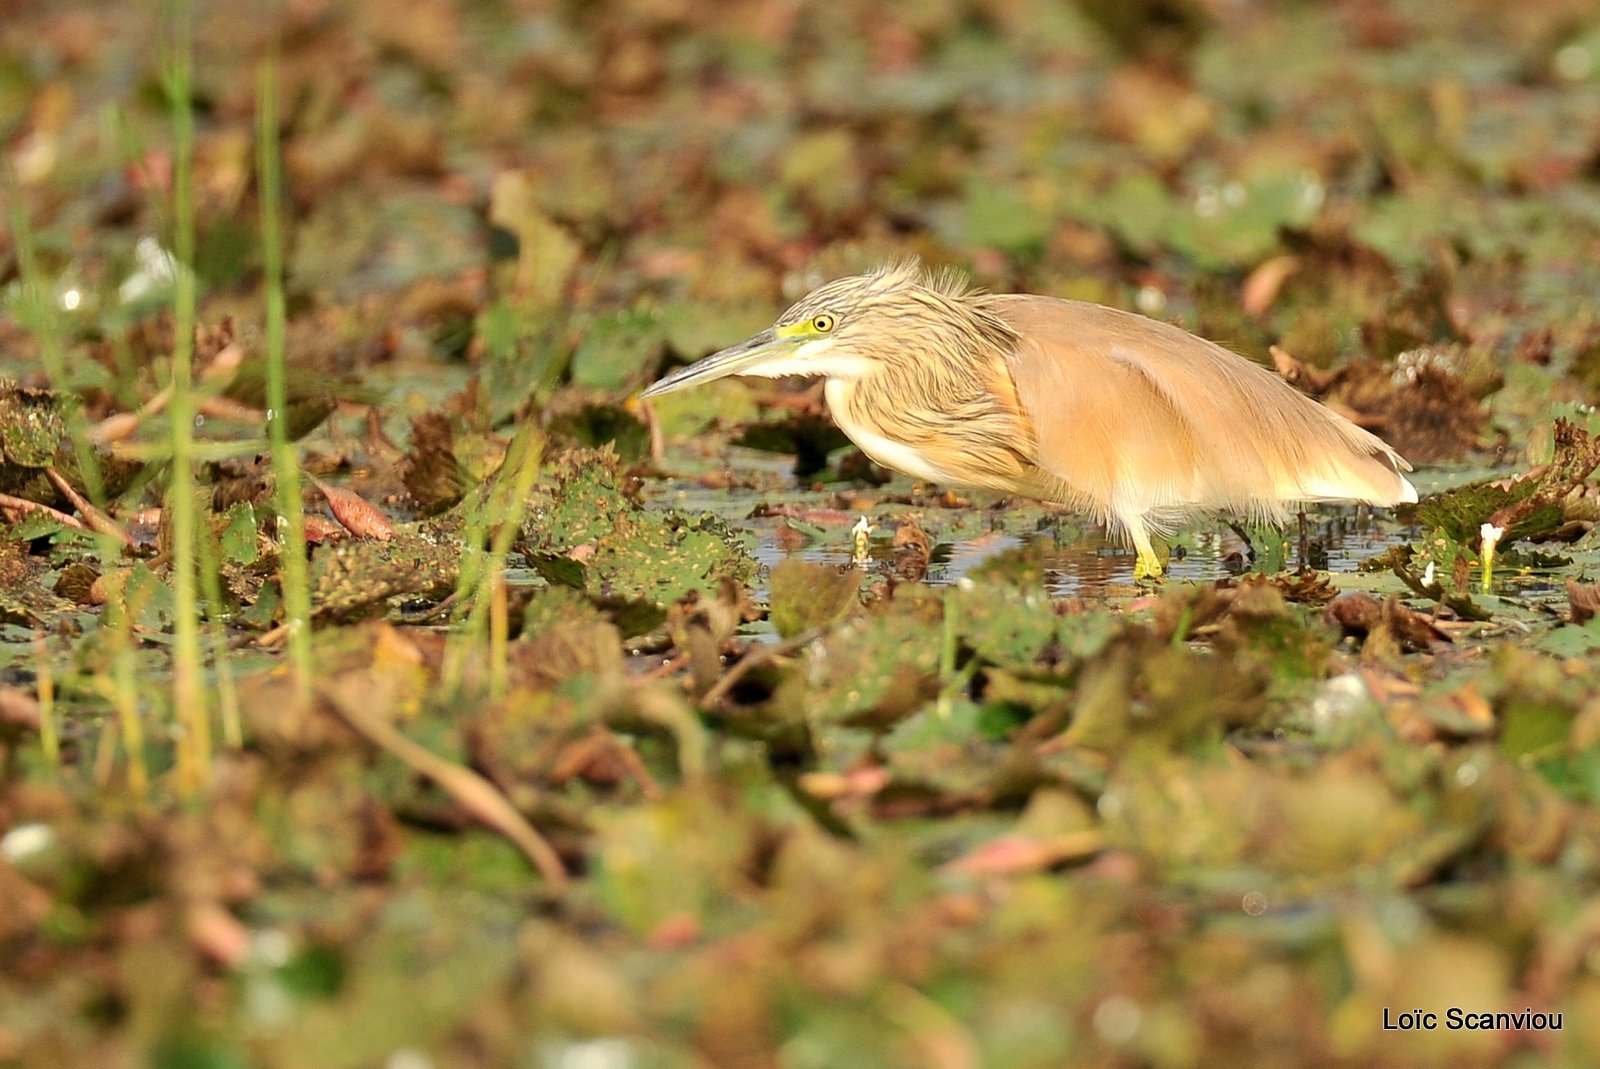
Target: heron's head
[(854, 327)]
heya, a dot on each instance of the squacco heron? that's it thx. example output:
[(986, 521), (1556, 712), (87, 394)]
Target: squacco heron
[(1136, 422)]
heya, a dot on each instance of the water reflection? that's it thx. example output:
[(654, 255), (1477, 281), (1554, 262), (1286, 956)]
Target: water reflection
[(1085, 563), (1077, 558)]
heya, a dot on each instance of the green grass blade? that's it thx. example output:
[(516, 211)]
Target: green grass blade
[(292, 533), (188, 691)]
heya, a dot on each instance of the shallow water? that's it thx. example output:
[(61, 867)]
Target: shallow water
[(1079, 559), (1093, 565)]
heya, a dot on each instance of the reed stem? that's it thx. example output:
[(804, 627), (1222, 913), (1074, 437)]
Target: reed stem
[(292, 527), (49, 734), (188, 692), (496, 519)]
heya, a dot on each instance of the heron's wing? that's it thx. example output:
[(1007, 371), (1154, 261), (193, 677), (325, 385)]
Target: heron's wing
[(1140, 416)]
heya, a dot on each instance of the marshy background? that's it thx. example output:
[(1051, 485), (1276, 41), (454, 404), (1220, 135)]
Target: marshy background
[(473, 714)]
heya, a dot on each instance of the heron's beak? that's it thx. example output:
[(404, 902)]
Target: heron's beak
[(740, 359)]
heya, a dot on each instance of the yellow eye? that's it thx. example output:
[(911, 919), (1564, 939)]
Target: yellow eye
[(822, 323)]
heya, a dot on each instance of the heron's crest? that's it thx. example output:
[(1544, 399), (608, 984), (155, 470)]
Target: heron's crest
[(913, 301), (903, 278), (947, 282)]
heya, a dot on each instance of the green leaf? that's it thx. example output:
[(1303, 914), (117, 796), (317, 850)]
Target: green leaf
[(616, 348), (239, 537), (807, 595)]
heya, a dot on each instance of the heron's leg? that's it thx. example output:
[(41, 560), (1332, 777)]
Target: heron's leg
[(1244, 536), (1149, 564)]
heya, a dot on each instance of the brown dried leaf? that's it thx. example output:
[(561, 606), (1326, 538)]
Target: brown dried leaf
[(1473, 708), (863, 782), (584, 648), (1429, 414), (320, 529), (18, 711), (240, 481), (1583, 600), (1359, 614), (218, 934), (804, 515), (790, 538), (431, 472), (675, 932), (226, 408), (1019, 855), (1298, 373), (359, 516), (77, 583), (116, 427), (913, 549), (1577, 454), (602, 759), (468, 789), (27, 905), (1307, 586), (1262, 286)]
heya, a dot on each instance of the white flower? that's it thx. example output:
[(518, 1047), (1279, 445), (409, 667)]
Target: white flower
[(860, 533)]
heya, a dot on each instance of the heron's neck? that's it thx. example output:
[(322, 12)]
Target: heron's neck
[(947, 366), (939, 401), (883, 440)]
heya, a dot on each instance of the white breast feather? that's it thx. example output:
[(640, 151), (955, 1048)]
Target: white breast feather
[(891, 454)]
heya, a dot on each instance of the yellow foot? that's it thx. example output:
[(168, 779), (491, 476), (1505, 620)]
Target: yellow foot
[(1149, 566)]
